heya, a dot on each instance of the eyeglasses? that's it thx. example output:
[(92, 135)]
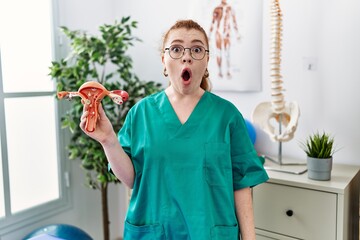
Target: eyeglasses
[(196, 52)]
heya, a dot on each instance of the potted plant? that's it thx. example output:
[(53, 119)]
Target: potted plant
[(103, 59), (319, 149)]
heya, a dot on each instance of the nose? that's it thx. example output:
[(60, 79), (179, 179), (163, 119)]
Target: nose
[(187, 56)]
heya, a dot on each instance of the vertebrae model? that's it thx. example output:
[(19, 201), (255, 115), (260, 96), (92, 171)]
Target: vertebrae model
[(285, 114), (91, 94)]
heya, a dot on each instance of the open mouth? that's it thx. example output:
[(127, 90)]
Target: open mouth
[(186, 74)]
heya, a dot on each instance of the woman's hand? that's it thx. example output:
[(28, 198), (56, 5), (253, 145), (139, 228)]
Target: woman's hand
[(103, 130), (104, 133)]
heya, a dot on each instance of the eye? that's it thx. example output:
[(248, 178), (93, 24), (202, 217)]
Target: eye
[(176, 49), (197, 49)]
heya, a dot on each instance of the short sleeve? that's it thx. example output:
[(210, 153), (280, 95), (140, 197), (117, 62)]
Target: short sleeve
[(248, 170)]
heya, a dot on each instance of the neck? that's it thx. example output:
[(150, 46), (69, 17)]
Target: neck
[(174, 95), (183, 104)]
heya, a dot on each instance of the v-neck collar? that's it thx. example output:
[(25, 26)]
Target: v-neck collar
[(193, 114), (171, 120)]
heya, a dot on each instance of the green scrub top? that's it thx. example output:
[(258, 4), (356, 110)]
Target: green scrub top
[(186, 174)]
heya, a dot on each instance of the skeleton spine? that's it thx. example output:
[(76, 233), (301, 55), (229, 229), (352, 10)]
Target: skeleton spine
[(277, 97)]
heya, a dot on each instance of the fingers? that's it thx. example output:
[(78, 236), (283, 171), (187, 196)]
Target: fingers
[(101, 112), (83, 118)]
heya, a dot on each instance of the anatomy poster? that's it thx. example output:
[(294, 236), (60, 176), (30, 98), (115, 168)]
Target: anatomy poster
[(234, 28)]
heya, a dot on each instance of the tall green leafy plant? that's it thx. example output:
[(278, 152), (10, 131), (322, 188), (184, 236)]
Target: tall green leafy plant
[(102, 58)]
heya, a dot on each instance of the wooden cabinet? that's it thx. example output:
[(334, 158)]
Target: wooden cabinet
[(292, 206)]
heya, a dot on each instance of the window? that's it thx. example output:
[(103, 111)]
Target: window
[(30, 170)]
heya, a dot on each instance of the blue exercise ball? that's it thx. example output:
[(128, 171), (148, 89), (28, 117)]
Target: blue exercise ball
[(251, 131), (62, 231)]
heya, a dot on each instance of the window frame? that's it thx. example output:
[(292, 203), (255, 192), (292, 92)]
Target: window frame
[(11, 222)]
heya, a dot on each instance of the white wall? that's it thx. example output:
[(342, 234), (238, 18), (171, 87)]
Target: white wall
[(328, 30), (325, 30)]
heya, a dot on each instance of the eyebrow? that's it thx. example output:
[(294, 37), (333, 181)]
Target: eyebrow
[(182, 41)]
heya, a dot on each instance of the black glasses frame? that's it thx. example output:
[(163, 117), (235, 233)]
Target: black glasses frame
[(206, 51)]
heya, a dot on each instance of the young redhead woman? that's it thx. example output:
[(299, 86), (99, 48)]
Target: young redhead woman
[(185, 152)]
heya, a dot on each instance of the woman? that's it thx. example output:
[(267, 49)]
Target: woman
[(185, 152)]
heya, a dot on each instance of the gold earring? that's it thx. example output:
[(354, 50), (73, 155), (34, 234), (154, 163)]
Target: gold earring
[(165, 73), (206, 75)]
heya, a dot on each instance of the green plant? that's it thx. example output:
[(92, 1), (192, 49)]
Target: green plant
[(319, 145), (103, 59)]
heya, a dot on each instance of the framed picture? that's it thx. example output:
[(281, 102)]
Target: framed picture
[(234, 28)]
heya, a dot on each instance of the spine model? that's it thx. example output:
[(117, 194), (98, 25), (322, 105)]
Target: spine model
[(285, 115), (277, 97)]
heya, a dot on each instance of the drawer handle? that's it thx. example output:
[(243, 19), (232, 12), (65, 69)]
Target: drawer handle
[(289, 213)]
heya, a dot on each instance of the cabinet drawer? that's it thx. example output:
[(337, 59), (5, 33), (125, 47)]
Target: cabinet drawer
[(296, 212), (263, 235)]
